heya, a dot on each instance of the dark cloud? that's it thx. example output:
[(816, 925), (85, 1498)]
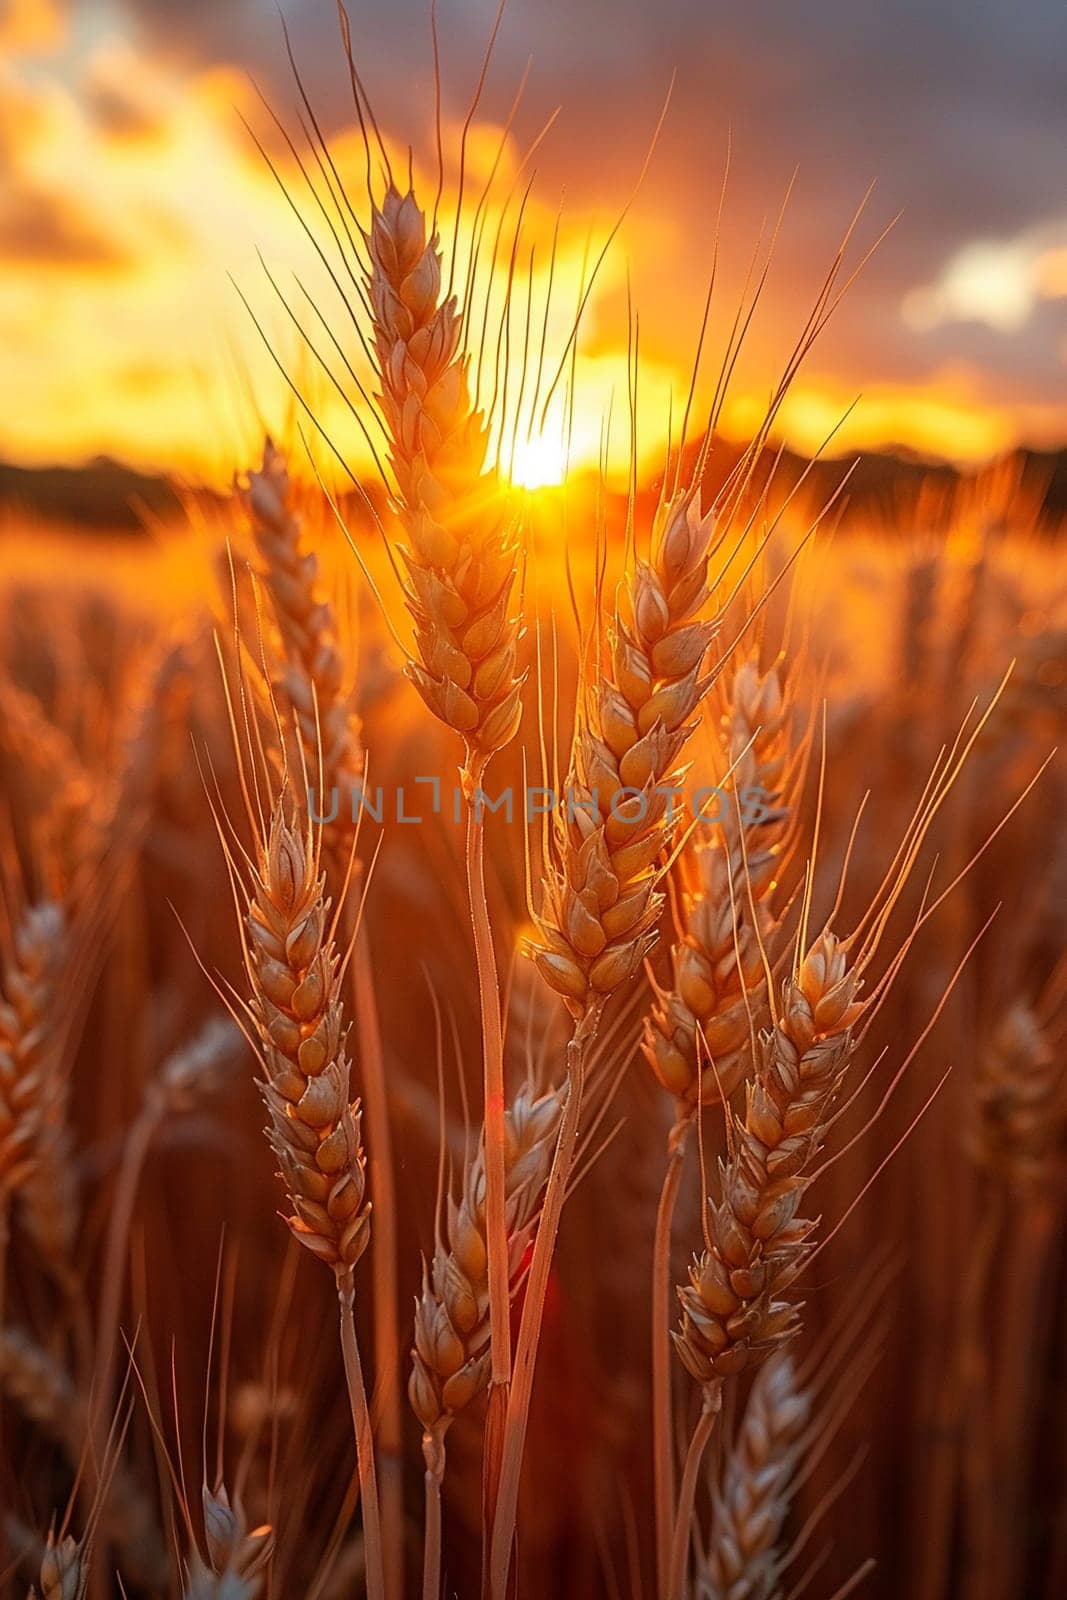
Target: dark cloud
[(122, 112), (955, 107), (206, 30), (42, 228)]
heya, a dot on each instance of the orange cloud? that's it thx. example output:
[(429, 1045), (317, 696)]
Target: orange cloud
[(30, 25), (24, 119), (133, 183), (119, 101), (53, 230), (998, 282), (949, 414)]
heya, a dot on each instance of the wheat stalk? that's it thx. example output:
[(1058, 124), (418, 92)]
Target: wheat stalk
[(602, 895), (296, 1013), (460, 556), (45, 1393), (451, 1358), (749, 1506), (698, 1036), (736, 1307), (311, 680)]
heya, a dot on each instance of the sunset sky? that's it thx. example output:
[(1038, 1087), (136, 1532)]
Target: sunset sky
[(133, 200)]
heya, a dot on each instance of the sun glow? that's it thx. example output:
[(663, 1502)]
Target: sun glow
[(134, 202), (539, 462)]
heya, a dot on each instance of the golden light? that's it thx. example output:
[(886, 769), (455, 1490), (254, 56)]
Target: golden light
[(158, 208), (1052, 274), (997, 283), (539, 462)]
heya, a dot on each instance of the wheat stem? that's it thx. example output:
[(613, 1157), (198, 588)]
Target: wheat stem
[(712, 1404), (495, 1131), (1024, 1350), (134, 1154), (518, 1413), (5, 1242), (433, 1451), (662, 1415), (387, 1395), (184, 1078), (357, 1397), (977, 1400)]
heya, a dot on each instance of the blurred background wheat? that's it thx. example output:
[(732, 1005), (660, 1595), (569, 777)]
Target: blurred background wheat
[(460, 491)]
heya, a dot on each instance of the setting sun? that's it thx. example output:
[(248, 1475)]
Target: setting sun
[(539, 462), (532, 660)]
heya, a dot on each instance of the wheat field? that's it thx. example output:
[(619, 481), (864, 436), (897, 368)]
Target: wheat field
[(533, 1020)]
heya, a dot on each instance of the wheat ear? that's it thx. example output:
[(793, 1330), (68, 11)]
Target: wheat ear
[(237, 1554), (30, 1125), (311, 674), (188, 1076), (296, 1006), (736, 1307), (43, 1391), (296, 1012), (461, 550), (733, 1308), (1015, 1136), (698, 1036), (602, 895), (1020, 1103), (64, 1573), (749, 1507), (311, 680), (451, 1358), (461, 557), (65, 793), (28, 984)]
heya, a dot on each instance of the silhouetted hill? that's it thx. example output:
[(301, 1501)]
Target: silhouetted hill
[(888, 486), (884, 485), (101, 494)]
